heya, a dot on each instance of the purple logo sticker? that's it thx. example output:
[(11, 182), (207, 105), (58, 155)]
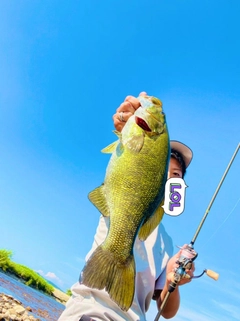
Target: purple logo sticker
[(174, 196)]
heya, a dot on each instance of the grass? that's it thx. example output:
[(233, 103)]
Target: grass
[(26, 275)]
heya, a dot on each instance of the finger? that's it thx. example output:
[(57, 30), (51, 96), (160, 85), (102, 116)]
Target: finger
[(184, 281), (123, 116), (143, 93), (133, 101), (193, 267), (120, 119), (126, 107), (117, 123), (192, 270), (189, 272)]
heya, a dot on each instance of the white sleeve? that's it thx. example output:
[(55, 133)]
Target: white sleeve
[(100, 235), (167, 252), (160, 282)]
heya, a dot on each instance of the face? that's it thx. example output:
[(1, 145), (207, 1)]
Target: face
[(175, 169)]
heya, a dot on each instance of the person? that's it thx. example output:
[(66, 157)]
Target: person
[(154, 257)]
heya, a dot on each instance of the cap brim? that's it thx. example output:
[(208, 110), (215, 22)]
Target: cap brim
[(184, 150)]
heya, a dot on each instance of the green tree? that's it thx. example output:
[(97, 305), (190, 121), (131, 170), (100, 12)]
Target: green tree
[(69, 292), (5, 259)]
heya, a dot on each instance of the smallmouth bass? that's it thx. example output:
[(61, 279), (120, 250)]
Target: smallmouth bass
[(131, 195)]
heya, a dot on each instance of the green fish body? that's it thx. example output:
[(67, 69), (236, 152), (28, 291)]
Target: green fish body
[(132, 195)]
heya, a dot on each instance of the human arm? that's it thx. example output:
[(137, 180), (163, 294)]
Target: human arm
[(173, 301)]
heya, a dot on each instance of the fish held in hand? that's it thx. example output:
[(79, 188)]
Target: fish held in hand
[(131, 195)]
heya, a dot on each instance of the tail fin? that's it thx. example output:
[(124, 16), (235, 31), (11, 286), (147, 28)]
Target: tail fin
[(102, 270)]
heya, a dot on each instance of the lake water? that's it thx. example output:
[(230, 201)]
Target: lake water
[(43, 306)]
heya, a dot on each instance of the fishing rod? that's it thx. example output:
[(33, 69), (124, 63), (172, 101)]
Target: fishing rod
[(188, 254)]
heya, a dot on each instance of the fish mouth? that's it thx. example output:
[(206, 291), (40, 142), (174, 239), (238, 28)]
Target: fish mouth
[(141, 123)]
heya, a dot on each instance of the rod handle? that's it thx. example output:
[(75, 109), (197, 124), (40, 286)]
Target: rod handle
[(212, 274)]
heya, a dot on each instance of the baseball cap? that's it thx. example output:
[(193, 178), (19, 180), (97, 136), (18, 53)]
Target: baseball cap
[(184, 150)]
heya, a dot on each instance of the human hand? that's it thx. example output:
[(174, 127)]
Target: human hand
[(127, 109), (173, 303), (172, 265)]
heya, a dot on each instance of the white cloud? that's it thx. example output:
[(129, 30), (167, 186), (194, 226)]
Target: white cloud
[(228, 286), (213, 310), (232, 310), (51, 277), (40, 272), (196, 314), (184, 314)]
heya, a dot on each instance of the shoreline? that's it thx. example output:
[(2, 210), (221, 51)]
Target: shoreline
[(19, 302), (57, 294), (13, 309)]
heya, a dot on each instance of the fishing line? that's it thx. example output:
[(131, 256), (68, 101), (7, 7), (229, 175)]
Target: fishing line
[(224, 221)]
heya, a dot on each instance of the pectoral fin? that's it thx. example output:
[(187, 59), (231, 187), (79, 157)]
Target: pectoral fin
[(151, 223), (110, 148), (98, 199)]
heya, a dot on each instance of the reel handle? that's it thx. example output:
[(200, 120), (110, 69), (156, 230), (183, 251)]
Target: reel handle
[(212, 274)]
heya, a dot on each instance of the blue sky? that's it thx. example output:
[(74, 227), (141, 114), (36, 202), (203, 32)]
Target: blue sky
[(65, 67)]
